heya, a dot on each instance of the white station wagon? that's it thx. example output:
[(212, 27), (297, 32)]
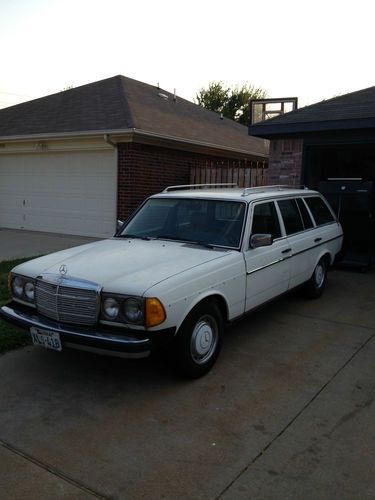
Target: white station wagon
[(189, 260)]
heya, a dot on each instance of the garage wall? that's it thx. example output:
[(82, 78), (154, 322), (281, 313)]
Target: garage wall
[(72, 192), (144, 170)]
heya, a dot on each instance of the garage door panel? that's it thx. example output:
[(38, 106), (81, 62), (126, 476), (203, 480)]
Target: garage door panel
[(73, 193), (58, 203), (79, 224)]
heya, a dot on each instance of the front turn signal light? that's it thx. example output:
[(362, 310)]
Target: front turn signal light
[(155, 312)]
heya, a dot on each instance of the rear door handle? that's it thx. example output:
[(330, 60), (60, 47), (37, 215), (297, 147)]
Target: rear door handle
[(287, 250), (317, 240)]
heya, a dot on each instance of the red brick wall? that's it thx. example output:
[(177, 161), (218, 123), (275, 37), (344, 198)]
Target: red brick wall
[(285, 162), (145, 170)]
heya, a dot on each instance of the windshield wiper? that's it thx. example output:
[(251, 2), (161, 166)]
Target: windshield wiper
[(184, 240), (134, 236)]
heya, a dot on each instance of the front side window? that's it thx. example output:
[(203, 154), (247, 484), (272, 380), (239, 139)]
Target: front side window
[(291, 216), (319, 210), (265, 220), (209, 222)]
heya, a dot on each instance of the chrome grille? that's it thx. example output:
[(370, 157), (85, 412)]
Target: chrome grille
[(67, 300)]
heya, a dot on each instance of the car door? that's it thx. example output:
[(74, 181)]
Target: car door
[(267, 267), (301, 235)]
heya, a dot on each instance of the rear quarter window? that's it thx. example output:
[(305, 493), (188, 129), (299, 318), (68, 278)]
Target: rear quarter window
[(319, 210), (291, 216), (306, 217)]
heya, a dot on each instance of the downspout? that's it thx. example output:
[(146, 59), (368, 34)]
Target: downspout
[(109, 141)]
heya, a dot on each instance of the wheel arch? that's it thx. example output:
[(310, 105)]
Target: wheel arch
[(215, 297), (327, 257)]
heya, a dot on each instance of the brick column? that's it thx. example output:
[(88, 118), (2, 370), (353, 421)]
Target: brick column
[(285, 163)]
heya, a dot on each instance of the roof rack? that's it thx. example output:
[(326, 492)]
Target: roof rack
[(276, 187), (199, 186)]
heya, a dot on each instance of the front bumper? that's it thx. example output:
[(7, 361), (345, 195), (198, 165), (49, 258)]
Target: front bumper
[(113, 341)]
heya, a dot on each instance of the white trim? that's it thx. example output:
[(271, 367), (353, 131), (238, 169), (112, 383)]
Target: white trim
[(55, 145), (129, 135)]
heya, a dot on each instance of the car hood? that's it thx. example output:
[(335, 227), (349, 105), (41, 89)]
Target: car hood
[(122, 265)]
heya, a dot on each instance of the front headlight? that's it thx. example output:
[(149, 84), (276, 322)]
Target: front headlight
[(111, 308), (17, 287), (133, 310), (22, 288), (29, 290)]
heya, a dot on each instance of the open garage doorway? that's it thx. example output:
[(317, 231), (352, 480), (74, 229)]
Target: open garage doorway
[(345, 174), (339, 161)]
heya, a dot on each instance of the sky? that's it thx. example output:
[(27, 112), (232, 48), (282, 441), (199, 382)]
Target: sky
[(311, 50)]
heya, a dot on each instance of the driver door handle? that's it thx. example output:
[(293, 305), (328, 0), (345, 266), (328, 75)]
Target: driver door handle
[(287, 250)]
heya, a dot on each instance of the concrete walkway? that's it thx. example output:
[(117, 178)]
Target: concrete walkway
[(16, 243), (287, 413)]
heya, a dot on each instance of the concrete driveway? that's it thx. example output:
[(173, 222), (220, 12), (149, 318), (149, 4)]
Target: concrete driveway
[(16, 244), (287, 412)]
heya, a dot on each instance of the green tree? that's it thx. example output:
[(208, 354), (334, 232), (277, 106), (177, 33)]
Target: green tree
[(233, 103)]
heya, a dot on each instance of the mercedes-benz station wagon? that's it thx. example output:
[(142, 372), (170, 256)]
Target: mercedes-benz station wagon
[(190, 260)]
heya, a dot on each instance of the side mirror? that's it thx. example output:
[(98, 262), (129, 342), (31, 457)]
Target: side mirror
[(119, 224), (261, 240)]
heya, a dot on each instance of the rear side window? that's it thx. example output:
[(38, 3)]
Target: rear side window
[(319, 210), (265, 220), (291, 216), (306, 217)]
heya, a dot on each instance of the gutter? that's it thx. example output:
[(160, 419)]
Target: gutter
[(153, 135), (110, 136)]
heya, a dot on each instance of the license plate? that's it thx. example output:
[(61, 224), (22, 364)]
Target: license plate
[(44, 338)]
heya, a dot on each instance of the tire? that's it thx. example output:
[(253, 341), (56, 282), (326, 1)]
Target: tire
[(198, 342), (317, 283)]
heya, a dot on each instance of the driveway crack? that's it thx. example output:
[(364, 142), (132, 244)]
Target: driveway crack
[(328, 320), (53, 470), (296, 416)]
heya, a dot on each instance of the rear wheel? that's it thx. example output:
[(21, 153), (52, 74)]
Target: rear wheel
[(198, 342), (316, 284)]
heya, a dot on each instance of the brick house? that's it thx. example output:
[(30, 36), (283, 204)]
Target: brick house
[(75, 161)]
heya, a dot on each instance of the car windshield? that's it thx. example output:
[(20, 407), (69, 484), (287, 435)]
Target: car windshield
[(201, 221)]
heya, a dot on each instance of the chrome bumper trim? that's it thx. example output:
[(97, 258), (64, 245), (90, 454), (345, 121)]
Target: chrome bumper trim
[(76, 335), (108, 352)]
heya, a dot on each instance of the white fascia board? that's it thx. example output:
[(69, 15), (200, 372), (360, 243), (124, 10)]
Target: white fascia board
[(133, 134), (153, 137), (44, 143), (63, 135)]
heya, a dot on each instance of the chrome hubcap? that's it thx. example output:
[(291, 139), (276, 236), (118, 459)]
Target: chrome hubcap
[(319, 275), (204, 339)]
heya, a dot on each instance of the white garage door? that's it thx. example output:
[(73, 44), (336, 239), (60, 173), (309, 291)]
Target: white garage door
[(70, 192)]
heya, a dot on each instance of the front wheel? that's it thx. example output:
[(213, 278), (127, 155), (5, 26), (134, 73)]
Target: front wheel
[(198, 342), (316, 284)]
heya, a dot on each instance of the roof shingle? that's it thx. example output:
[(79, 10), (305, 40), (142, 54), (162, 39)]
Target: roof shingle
[(121, 103)]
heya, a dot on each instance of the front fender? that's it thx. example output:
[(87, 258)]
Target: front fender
[(207, 294)]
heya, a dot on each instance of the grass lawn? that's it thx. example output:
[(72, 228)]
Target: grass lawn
[(11, 337)]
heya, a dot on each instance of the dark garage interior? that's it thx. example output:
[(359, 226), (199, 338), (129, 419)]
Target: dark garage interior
[(339, 161), (345, 174)]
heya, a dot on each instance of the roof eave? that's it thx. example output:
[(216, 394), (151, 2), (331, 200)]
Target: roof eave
[(268, 131), (143, 136), (206, 146)]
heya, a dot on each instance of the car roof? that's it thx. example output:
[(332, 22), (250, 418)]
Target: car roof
[(233, 193)]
